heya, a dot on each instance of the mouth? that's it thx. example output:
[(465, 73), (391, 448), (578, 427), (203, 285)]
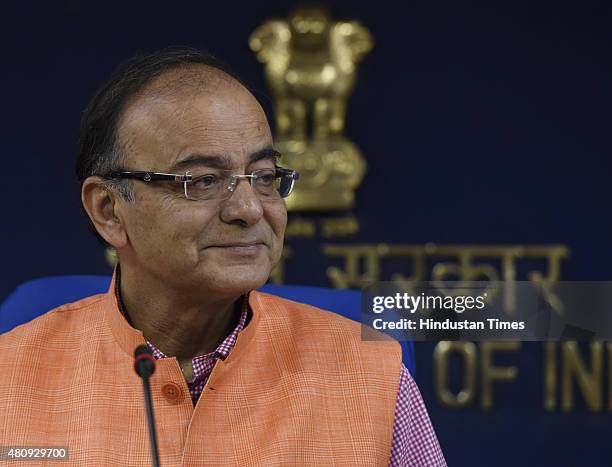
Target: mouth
[(241, 248)]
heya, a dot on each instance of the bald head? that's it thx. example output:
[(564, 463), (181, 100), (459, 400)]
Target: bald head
[(194, 108), (180, 82)]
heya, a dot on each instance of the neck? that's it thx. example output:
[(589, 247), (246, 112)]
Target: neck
[(180, 326)]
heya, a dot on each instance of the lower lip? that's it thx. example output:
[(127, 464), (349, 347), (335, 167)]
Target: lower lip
[(247, 250)]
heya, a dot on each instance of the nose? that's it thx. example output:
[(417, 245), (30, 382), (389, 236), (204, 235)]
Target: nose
[(243, 206)]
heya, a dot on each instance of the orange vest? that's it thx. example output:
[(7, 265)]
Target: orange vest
[(300, 387)]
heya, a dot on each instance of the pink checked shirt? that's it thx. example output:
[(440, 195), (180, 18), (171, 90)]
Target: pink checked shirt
[(414, 441)]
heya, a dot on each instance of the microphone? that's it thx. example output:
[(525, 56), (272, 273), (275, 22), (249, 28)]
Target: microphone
[(144, 364)]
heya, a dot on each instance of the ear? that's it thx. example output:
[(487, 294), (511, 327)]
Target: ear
[(103, 208)]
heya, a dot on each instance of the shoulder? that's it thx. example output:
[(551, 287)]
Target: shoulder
[(308, 324), (46, 352), (53, 326), (281, 310)]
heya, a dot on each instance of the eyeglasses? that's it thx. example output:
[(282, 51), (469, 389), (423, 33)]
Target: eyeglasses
[(268, 184)]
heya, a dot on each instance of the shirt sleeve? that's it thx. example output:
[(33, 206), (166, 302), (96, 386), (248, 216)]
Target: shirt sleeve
[(414, 442)]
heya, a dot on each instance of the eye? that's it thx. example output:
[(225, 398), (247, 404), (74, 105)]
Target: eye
[(205, 182), (266, 178)]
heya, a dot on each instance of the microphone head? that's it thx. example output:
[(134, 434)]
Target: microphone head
[(144, 362)]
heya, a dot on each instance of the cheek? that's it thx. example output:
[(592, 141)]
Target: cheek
[(189, 224), (167, 226), (277, 218)]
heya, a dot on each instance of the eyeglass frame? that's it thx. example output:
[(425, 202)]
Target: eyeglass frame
[(187, 177)]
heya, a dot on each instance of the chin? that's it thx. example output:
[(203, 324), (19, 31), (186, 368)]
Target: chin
[(233, 282)]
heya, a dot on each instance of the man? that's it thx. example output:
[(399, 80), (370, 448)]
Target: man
[(180, 177)]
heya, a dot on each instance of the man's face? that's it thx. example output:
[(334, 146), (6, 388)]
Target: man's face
[(188, 243)]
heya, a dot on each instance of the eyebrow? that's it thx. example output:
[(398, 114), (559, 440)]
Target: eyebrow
[(223, 162)]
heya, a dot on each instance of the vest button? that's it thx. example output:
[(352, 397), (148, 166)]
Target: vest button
[(172, 392)]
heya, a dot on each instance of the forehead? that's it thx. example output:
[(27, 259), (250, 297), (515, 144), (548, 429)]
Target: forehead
[(200, 111)]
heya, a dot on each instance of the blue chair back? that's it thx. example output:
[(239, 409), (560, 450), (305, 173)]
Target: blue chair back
[(38, 296)]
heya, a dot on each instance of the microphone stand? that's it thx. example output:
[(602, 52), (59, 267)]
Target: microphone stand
[(144, 364)]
